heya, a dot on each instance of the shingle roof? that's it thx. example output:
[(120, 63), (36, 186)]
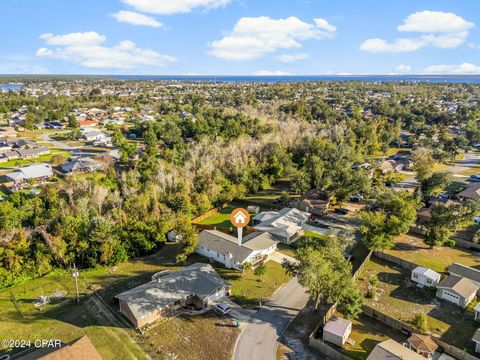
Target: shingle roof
[(472, 191), (464, 271), (460, 285), (78, 349), (258, 241), (197, 279), (223, 244), (423, 343), (391, 350)]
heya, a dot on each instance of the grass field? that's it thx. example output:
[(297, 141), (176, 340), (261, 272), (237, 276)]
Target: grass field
[(413, 249), (397, 297), (41, 159)]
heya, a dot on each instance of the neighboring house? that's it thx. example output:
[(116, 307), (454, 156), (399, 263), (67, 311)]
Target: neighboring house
[(422, 345), (36, 171), (392, 350), (197, 284), (87, 123), (315, 202), (470, 273), (54, 125), (471, 192), (83, 164), (476, 340), (477, 312), (386, 166), (425, 277), (33, 152), (93, 134), (285, 225), (224, 248), (457, 290), (78, 349), (337, 331)]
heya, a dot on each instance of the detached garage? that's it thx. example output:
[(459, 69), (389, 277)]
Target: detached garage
[(457, 290)]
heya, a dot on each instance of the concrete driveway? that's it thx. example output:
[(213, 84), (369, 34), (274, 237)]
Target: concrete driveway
[(278, 257), (258, 340)]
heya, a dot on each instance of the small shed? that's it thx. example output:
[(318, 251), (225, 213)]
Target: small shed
[(253, 209), (425, 277), (422, 345), (337, 330)]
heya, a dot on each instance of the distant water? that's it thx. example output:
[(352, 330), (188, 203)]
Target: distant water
[(10, 86), (271, 79)]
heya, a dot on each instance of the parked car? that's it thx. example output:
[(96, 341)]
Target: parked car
[(223, 309), (475, 178), (356, 198), (342, 211)]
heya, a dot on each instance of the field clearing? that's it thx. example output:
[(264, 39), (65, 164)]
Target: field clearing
[(399, 298), (413, 249)]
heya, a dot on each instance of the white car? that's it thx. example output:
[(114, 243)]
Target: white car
[(223, 309)]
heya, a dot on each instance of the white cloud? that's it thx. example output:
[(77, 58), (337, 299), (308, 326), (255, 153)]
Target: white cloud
[(462, 69), (403, 68), (439, 29), (165, 7), (86, 50), (474, 46), (435, 22), (290, 58), (254, 37), (134, 18), (271, 73)]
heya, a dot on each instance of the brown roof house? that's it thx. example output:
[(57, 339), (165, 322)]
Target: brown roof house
[(314, 201), (79, 349), (458, 290), (422, 345), (197, 284)]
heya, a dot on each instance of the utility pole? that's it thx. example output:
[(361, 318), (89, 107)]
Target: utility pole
[(76, 274)]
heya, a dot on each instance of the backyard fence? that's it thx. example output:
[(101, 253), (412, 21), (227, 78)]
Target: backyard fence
[(209, 213), (362, 265), (388, 320), (393, 259), (466, 244), (453, 351), (325, 349)]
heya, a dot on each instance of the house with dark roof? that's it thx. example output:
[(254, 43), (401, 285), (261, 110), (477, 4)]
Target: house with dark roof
[(471, 192), (314, 201), (458, 290), (422, 345), (197, 284), (465, 271), (82, 164), (225, 248)]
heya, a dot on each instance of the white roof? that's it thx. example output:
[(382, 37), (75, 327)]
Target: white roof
[(285, 223), (337, 326), (427, 272), (32, 172)]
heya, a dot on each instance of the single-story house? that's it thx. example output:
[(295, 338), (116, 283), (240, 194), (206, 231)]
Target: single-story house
[(337, 331), (386, 166), (392, 350), (458, 290), (466, 272), (422, 345), (314, 201), (472, 192), (83, 164), (35, 171), (284, 225), (224, 248), (197, 284), (476, 340), (78, 349), (425, 277)]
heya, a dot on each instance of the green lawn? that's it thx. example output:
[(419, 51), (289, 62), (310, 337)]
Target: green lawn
[(367, 333), (286, 249), (397, 297), (41, 159), (221, 218), (413, 249)]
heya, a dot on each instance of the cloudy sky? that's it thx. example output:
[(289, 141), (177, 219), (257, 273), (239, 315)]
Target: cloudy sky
[(240, 37)]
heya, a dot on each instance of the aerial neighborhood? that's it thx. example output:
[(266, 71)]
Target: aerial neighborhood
[(240, 220)]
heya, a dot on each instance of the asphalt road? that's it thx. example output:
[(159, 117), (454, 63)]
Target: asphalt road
[(258, 340)]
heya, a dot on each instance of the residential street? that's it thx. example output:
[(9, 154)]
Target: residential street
[(258, 340)]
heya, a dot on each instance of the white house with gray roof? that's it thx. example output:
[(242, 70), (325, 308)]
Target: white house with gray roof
[(36, 171), (197, 284), (284, 225), (224, 248)]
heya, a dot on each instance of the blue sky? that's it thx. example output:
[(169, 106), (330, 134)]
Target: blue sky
[(240, 37)]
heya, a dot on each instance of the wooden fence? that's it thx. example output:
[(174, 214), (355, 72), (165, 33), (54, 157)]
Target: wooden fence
[(327, 350), (393, 259), (208, 213), (362, 265), (453, 351), (388, 320)]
